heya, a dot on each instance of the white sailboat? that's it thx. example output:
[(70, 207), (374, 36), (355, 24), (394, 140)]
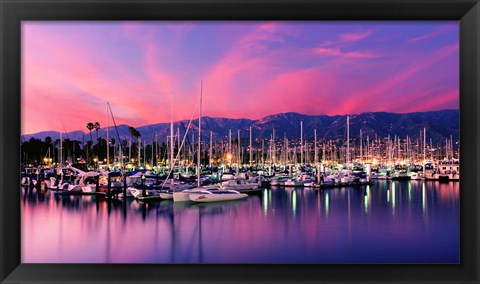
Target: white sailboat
[(186, 195), (216, 196)]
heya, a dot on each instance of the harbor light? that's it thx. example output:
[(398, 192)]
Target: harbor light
[(229, 157), (45, 160)]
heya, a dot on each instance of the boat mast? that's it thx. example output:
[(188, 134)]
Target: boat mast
[(108, 141), (60, 156), (210, 150), (250, 146), (348, 141), (301, 142), (451, 146), (424, 142), (273, 146), (286, 147), (361, 146), (270, 153), (238, 161), (199, 135), (315, 142), (156, 149), (230, 141), (263, 145), (171, 136), (118, 136), (153, 140), (139, 150)]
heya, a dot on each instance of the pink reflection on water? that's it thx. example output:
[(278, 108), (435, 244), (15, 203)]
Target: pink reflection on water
[(283, 225)]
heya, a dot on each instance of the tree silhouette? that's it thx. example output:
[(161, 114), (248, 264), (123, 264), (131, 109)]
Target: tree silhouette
[(134, 133), (90, 127), (96, 126)]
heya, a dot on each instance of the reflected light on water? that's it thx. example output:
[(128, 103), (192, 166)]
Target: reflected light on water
[(294, 202), (393, 198), (327, 202), (409, 192), (423, 198), (265, 202), (282, 226), (366, 199)]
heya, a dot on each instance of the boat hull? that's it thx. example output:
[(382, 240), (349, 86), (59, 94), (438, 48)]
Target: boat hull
[(164, 195), (181, 196), (216, 197)]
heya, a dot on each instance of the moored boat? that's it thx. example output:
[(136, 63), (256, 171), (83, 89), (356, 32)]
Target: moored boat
[(216, 196), (184, 195)]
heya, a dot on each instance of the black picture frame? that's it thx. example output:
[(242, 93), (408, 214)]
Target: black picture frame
[(12, 12)]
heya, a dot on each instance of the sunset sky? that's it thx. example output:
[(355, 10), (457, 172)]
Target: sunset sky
[(249, 70)]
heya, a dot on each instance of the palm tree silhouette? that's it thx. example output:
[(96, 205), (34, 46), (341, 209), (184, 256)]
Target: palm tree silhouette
[(90, 127), (134, 132), (96, 125)]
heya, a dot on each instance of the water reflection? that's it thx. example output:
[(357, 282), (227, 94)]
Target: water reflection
[(386, 222)]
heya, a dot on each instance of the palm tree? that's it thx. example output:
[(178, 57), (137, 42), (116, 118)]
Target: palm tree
[(134, 133), (90, 127), (96, 125)]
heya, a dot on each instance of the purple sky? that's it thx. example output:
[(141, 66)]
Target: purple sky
[(249, 69)]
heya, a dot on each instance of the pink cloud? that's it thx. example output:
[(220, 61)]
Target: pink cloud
[(351, 37), (311, 90), (432, 34), (59, 80), (376, 92), (249, 59), (259, 72), (335, 48), (336, 52)]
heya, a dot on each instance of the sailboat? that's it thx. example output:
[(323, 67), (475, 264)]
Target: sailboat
[(216, 196), (185, 195)]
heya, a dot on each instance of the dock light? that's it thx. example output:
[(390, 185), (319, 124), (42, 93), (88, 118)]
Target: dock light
[(132, 160), (229, 157), (45, 160), (50, 160), (95, 160)]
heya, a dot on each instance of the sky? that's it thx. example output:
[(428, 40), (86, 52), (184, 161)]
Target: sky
[(245, 70)]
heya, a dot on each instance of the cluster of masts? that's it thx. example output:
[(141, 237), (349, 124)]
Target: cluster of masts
[(273, 151), (243, 152)]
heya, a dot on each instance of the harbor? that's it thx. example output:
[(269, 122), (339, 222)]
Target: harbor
[(240, 142), (376, 203), (178, 165)]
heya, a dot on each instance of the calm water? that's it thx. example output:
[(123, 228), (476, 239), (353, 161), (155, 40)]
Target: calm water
[(388, 222)]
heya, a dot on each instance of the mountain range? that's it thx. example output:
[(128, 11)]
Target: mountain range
[(439, 125)]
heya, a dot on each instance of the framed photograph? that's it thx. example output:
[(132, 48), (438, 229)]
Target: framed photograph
[(272, 141)]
